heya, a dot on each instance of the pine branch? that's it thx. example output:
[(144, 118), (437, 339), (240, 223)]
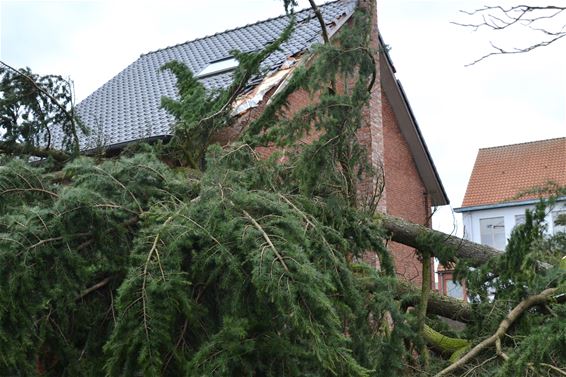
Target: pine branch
[(93, 288), (267, 239), (556, 369), (104, 172), (325, 36), (30, 189), (145, 274), (69, 115), (318, 15)]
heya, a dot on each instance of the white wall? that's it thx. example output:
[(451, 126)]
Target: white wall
[(471, 219)]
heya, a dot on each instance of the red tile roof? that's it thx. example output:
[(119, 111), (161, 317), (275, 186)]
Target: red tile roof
[(502, 173)]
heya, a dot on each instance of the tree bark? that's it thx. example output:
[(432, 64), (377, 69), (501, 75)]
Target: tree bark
[(407, 233), (443, 342), (318, 15), (438, 304), (423, 304)]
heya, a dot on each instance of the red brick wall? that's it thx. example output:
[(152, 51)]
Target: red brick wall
[(406, 194)]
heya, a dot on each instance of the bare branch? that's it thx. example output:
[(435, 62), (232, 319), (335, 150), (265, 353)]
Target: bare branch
[(498, 18), (320, 21), (501, 51)]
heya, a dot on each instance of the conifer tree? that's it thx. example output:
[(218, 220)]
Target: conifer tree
[(224, 263)]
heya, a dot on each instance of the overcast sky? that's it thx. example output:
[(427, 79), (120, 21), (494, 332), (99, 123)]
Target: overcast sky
[(502, 100)]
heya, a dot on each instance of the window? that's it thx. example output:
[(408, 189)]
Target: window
[(492, 232), (561, 226), (218, 66), (454, 289)]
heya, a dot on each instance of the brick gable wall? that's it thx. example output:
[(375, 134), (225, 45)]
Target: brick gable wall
[(407, 197)]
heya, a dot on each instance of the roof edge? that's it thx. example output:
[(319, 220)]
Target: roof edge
[(524, 143), (503, 205), (409, 128), (259, 22)]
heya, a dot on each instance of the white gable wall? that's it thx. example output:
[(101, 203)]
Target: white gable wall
[(471, 219)]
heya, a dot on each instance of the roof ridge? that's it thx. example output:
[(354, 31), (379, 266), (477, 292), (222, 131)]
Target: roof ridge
[(237, 28), (524, 143)]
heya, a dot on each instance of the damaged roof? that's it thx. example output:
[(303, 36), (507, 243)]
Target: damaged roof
[(127, 108)]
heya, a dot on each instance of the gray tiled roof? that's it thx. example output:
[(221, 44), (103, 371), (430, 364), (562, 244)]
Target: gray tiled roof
[(127, 108)]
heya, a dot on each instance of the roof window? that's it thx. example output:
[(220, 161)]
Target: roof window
[(219, 66)]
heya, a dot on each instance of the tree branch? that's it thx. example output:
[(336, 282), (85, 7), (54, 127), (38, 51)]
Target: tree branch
[(498, 18), (95, 287), (438, 304), (423, 304), (501, 330), (70, 115), (407, 233), (267, 239), (443, 342), (318, 15), (501, 51), (325, 36)]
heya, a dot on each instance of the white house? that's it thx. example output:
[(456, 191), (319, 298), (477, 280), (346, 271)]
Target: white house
[(504, 183)]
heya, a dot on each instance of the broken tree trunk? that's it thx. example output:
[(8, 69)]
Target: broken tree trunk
[(407, 233)]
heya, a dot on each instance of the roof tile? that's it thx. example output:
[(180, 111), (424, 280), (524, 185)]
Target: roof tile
[(506, 173), (138, 89)]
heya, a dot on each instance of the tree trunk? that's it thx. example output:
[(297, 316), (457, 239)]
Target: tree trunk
[(408, 234), (18, 150), (438, 304)]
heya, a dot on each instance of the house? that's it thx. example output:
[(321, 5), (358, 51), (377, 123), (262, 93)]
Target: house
[(506, 181), (127, 108)]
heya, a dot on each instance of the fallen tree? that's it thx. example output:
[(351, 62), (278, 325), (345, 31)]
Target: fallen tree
[(236, 265), (212, 246), (427, 240)]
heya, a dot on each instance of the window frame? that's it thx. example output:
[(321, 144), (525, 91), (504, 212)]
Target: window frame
[(492, 235), (223, 65)]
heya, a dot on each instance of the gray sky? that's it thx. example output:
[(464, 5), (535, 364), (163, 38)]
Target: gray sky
[(503, 100)]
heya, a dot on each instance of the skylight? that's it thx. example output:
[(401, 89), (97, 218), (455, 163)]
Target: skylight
[(218, 66)]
